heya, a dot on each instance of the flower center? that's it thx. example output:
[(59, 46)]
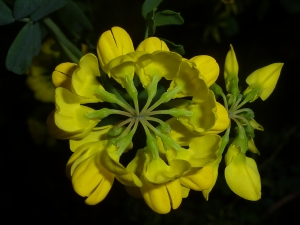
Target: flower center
[(121, 134)]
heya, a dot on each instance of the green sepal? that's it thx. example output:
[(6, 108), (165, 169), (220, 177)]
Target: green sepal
[(252, 95), (148, 6), (164, 128), (249, 114), (174, 47), (25, 46), (114, 132), (249, 131), (234, 86), (225, 140), (5, 14), (216, 89), (167, 17), (179, 112), (99, 114), (241, 139)]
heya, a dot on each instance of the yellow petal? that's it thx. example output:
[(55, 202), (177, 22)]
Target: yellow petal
[(113, 43), (152, 44), (62, 75), (161, 197), (84, 80), (179, 133), (70, 115), (243, 178), (59, 133), (202, 151), (191, 82), (92, 180), (199, 179), (121, 67), (222, 121), (204, 115), (158, 171), (215, 168), (251, 146), (110, 160), (163, 64), (97, 134), (208, 68), (265, 79), (156, 197)]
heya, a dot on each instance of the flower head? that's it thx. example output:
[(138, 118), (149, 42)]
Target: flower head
[(173, 93)]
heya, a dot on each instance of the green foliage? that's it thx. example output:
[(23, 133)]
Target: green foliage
[(5, 14), (37, 9), (154, 19), (174, 47), (24, 48), (167, 17), (148, 6)]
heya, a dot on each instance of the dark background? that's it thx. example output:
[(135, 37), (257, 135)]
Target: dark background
[(34, 187)]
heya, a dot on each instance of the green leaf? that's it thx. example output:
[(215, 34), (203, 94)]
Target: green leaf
[(74, 19), (174, 47), (37, 8), (25, 46), (167, 17), (5, 14), (148, 6), (24, 8), (46, 8)]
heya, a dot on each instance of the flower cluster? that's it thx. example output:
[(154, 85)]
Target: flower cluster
[(160, 105)]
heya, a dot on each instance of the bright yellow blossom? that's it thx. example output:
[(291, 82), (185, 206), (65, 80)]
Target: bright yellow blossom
[(163, 172)]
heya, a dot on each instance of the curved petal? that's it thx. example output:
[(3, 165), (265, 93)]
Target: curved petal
[(243, 178), (204, 115), (164, 64), (121, 67), (70, 115), (202, 151), (199, 179), (215, 168), (157, 171), (84, 80), (110, 160), (179, 133), (92, 180), (265, 79), (161, 197), (62, 75), (222, 121), (59, 133), (191, 82), (97, 134), (152, 44), (111, 44), (208, 68)]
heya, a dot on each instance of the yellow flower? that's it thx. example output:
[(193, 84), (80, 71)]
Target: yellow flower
[(163, 172), (264, 80), (241, 174)]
